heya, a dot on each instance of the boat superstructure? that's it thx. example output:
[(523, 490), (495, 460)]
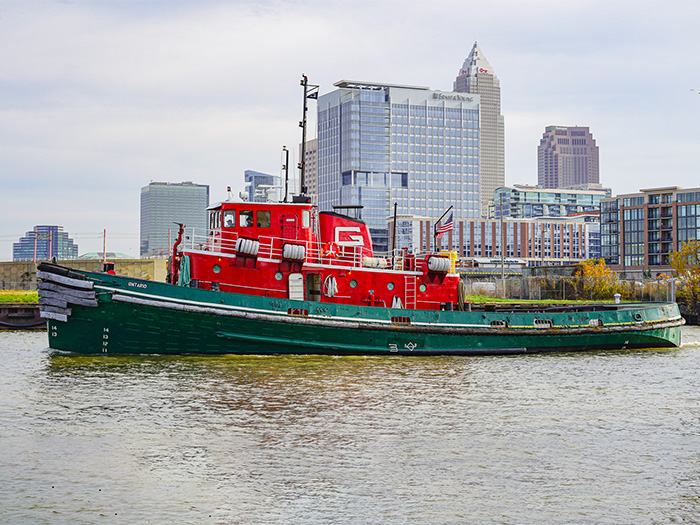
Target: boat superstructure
[(289, 251)]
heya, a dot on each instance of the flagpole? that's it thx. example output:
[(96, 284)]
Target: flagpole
[(438, 222)]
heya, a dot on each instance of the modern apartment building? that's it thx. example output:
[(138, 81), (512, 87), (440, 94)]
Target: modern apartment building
[(524, 202), (567, 157), (261, 187), (542, 241), (478, 77), (43, 243), (380, 144), (163, 205), (640, 230)]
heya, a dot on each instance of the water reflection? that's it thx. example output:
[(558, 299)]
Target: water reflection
[(590, 438)]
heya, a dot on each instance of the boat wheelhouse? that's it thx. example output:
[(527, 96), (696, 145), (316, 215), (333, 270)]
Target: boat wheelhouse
[(289, 251)]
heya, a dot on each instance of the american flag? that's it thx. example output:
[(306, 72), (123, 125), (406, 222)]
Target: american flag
[(445, 227)]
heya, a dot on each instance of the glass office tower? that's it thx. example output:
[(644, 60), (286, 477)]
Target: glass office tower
[(163, 204), (380, 144)]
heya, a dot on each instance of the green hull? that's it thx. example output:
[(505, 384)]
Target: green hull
[(135, 316)]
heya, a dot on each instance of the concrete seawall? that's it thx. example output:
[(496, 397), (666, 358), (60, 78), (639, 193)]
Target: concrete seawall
[(22, 275)]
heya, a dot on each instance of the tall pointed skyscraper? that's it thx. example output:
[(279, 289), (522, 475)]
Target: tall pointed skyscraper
[(477, 77)]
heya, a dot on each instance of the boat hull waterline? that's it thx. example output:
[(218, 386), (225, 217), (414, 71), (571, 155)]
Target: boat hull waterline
[(116, 315)]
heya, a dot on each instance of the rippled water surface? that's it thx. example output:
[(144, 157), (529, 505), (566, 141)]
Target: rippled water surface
[(608, 437)]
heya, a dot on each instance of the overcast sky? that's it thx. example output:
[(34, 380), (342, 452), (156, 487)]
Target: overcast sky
[(99, 98)]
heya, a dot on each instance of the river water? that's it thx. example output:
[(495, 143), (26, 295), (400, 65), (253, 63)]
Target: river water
[(605, 437)]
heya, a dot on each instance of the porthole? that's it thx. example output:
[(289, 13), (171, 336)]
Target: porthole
[(422, 288), (353, 283), (216, 268), (279, 276), (390, 286)]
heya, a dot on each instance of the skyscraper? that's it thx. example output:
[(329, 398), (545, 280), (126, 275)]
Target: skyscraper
[(380, 144), (478, 77), (567, 157), (163, 204)]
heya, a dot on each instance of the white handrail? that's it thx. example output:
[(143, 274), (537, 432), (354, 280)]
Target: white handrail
[(222, 240)]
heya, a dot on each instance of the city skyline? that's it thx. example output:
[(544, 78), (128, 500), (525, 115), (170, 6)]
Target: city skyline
[(98, 99)]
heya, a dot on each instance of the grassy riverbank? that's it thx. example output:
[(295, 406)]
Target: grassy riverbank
[(19, 296), (488, 299)]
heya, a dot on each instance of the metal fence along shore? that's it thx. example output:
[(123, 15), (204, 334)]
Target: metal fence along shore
[(560, 288)]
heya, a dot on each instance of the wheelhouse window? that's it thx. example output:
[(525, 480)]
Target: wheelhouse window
[(246, 219), (215, 219), (229, 218), (305, 218), (263, 219)]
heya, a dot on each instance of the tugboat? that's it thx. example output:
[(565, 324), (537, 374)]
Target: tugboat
[(283, 278)]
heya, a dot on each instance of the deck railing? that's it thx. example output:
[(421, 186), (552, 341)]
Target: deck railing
[(268, 247)]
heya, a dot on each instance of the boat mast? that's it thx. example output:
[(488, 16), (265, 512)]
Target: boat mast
[(286, 172), (310, 91)]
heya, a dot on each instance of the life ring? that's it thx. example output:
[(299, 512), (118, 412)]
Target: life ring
[(330, 249)]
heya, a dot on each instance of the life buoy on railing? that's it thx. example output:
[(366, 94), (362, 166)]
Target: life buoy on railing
[(330, 249)]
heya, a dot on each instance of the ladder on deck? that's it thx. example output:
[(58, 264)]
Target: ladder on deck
[(410, 292)]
